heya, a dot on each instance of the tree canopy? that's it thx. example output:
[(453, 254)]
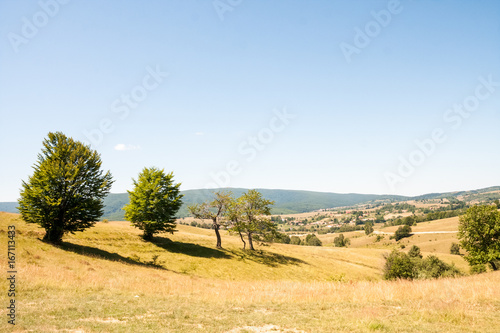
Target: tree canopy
[(247, 215), (479, 233), (368, 227), (214, 210), (154, 202), (402, 232), (66, 191)]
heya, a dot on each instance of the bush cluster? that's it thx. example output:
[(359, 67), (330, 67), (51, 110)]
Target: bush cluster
[(399, 265)]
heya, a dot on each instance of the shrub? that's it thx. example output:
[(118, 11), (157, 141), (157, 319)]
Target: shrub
[(455, 249), (415, 252), (284, 238), (402, 232), (478, 269), (432, 267), (341, 241), (398, 265), (312, 240), (294, 240)]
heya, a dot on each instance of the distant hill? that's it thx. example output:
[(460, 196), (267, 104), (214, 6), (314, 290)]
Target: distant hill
[(286, 201), (9, 207)]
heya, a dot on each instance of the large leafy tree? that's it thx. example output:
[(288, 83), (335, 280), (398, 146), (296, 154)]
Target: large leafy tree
[(248, 216), (479, 232), (66, 191), (154, 202), (214, 210)]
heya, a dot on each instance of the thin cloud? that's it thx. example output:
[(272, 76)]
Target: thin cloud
[(124, 147), (199, 133)]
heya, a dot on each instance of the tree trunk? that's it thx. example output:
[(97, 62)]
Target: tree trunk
[(53, 235), (217, 234), (147, 236), (250, 243), (493, 266), (241, 236)]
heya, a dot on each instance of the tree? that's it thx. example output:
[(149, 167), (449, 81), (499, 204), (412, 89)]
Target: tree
[(247, 216), (455, 249), (368, 227), (154, 201), (294, 240), (341, 241), (415, 252), (402, 232), (313, 240), (398, 265), (479, 232), (66, 191), (213, 210)]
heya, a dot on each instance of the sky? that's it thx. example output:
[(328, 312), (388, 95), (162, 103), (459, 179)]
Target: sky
[(382, 97)]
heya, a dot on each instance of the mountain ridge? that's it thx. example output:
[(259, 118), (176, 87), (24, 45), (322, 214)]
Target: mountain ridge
[(286, 201)]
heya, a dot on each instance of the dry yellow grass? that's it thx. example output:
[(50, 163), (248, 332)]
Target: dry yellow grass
[(61, 290)]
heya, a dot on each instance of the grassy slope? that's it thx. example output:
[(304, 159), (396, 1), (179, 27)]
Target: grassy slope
[(433, 243), (98, 281)]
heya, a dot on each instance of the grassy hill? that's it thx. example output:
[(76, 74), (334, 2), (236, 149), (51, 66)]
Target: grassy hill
[(107, 279)]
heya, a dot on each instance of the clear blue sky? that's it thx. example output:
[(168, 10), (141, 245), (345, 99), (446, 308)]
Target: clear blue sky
[(361, 91)]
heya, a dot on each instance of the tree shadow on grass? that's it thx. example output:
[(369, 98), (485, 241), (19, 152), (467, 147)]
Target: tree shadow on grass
[(189, 249), (270, 259), (102, 254)]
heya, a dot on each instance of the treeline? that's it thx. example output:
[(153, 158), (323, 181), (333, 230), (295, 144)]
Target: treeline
[(414, 219)]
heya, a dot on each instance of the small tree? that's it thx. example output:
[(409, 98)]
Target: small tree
[(282, 238), (294, 240), (247, 216), (398, 265), (479, 232), (66, 191), (402, 232), (368, 227), (154, 202), (341, 241), (455, 249), (213, 210), (313, 240), (415, 252)]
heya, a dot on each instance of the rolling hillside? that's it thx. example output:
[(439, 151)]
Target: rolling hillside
[(107, 279)]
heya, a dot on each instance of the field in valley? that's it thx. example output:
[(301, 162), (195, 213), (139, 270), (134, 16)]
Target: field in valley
[(107, 279)]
